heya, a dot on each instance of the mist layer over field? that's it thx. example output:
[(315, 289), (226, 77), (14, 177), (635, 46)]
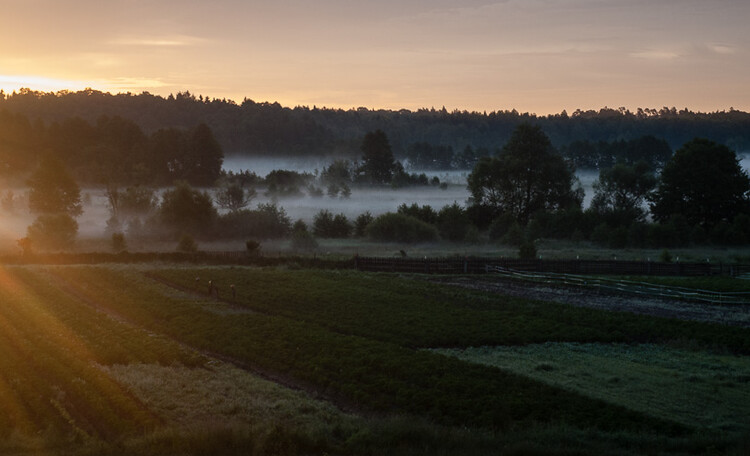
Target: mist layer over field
[(375, 200)]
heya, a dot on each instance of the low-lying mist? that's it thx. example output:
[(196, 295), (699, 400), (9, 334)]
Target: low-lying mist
[(377, 200)]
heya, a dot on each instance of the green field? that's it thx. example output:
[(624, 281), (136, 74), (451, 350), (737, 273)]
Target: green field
[(138, 359), (695, 388)]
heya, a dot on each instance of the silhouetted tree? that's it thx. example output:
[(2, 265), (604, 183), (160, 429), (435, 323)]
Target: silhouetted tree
[(234, 197), (185, 209), (705, 183), (53, 191), (378, 163), (621, 191), (527, 177)]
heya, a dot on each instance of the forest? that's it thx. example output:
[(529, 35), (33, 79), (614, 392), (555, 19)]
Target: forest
[(159, 162), (263, 128)]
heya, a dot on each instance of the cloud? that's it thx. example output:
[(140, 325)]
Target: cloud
[(722, 49), (158, 41), (124, 83), (653, 54), (41, 83)]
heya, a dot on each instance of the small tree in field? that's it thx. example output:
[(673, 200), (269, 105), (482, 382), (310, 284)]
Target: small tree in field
[(234, 197), (187, 244), (183, 208)]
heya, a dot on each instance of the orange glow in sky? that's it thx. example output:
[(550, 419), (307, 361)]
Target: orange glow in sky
[(538, 56)]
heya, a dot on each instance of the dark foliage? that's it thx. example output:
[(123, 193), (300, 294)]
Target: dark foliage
[(393, 227), (453, 223), (53, 231), (270, 129), (184, 209), (527, 177), (53, 191), (268, 221), (327, 225), (703, 182)]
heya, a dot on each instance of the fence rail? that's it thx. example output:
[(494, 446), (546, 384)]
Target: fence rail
[(476, 265), (625, 286)]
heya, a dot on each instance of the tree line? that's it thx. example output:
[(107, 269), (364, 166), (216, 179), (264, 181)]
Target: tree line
[(110, 149), (263, 128), (524, 192)]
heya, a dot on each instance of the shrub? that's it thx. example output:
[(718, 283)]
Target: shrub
[(665, 256), (527, 251), (282, 182), (183, 208), (638, 234), (453, 223), (268, 221), (299, 225), (500, 226), (54, 231), (326, 225), (396, 227), (601, 234), (514, 236), (252, 247), (361, 222), (303, 240), (425, 213), (118, 242), (662, 235), (472, 235), (187, 244)]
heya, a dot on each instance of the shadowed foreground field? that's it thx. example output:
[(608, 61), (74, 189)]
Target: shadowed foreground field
[(137, 359)]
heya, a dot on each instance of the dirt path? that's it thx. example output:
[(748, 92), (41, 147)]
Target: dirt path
[(733, 315)]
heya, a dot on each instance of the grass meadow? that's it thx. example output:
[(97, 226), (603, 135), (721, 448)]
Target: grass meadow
[(139, 359)]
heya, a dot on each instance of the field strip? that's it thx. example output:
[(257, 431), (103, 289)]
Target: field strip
[(733, 315), (684, 386), (85, 296)]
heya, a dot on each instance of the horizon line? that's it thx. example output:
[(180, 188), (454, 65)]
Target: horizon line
[(621, 110)]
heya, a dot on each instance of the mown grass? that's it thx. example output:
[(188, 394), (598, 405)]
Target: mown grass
[(695, 388)]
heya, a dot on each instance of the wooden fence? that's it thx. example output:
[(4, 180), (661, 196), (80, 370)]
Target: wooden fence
[(475, 265), (625, 286), (451, 265)]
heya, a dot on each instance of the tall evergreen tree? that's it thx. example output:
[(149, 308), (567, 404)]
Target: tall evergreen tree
[(378, 161)]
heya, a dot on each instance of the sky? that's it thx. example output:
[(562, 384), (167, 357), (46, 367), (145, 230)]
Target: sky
[(539, 56)]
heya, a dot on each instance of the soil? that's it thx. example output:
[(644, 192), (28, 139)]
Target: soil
[(733, 315)]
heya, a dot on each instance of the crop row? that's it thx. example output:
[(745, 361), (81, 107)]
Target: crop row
[(365, 372), (50, 345), (418, 313)]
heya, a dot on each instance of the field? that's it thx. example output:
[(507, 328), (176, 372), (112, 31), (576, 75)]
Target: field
[(140, 359)]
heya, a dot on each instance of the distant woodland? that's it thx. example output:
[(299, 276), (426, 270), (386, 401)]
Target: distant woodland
[(253, 128)]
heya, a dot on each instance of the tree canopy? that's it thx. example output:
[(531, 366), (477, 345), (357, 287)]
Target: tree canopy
[(378, 163), (527, 176), (621, 192), (184, 209), (703, 182), (53, 191)]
